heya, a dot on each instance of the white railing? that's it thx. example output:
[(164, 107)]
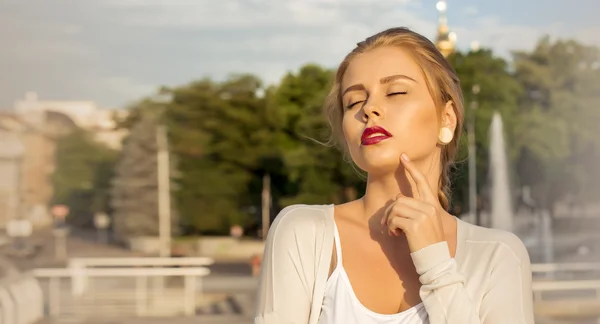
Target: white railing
[(81, 270), (566, 285), (564, 267), (79, 281), (191, 284), (569, 305), (139, 262), (574, 299)]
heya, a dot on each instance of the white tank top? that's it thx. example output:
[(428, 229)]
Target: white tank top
[(341, 306)]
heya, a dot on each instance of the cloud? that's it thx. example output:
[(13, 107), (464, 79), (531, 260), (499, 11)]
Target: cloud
[(470, 11), (114, 51), (491, 32), (235, 14), (588, 35), (125, 86), (291, 33)]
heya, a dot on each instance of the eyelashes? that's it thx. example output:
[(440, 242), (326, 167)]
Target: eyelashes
[(351, 105)]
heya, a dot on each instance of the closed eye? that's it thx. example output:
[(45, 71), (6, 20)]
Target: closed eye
[(396, 93), (353, 104)]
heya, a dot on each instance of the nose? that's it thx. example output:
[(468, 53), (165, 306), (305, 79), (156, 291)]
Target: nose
[(372, 110)]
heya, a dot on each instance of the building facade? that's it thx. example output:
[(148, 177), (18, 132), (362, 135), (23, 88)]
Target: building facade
[(28, 137), (11, 156), (83, 114)]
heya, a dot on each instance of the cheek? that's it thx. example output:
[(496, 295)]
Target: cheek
[(352, 130), (349, 128), (417, 124), (427, 122)]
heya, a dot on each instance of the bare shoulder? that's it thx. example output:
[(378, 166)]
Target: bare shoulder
[(497, 242)]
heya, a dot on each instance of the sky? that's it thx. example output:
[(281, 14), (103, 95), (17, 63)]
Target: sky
[(114, 52)]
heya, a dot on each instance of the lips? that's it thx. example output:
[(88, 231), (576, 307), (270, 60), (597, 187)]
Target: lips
[(374, 135)]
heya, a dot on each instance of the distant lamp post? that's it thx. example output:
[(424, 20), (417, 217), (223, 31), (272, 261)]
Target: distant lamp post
[(164, 192), (60, 213), (266, 205), (102, 222), (60, 231), (472, 158), (473, 149)]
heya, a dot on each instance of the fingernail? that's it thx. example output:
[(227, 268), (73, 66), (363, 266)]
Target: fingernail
[(405, 157)]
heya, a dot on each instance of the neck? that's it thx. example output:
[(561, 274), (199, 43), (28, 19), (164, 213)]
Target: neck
[(382, 189)]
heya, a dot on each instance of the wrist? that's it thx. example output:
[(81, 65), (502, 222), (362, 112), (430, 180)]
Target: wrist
[(428, 257)]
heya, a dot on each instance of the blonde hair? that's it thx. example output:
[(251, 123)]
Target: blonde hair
[(441, 79)]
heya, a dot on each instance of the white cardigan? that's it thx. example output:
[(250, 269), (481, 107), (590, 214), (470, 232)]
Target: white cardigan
[(487, 282)]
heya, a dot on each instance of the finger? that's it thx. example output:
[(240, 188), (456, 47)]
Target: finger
[(402, 211), (399, 225), (388, 208), (422, 206), (420, 180)]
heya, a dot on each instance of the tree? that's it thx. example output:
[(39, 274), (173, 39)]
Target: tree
[(221, 134), (317, 173), (556, 132), (134, 194), (498, 91), (81, 179), (228, 135)]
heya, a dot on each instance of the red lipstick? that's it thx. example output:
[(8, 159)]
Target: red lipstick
[(373, 135)]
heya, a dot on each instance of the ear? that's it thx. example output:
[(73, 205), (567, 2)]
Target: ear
[(448, 116)]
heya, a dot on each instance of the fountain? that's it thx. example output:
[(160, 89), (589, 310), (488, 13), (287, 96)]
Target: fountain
[(501, 215)]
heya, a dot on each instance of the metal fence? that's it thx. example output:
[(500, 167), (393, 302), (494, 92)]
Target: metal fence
[(570, 290), (123, 287)]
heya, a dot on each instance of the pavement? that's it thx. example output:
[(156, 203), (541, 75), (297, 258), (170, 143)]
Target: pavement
[(82, 244), (151, 320)]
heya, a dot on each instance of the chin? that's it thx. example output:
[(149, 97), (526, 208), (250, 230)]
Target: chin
[(374, 160)]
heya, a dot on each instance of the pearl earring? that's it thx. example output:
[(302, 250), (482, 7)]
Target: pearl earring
[(445, 136)]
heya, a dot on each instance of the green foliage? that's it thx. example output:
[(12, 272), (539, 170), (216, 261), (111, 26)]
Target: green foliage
[(82, 176), (556, 128), (228, 135), (498, 91), (220, 134), (134, 192), (317, 172)]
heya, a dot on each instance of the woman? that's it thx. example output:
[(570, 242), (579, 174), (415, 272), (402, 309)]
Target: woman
[(394, 256)]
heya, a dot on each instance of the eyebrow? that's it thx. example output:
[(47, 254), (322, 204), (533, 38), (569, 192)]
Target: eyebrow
[(393, 78), (384, 80)]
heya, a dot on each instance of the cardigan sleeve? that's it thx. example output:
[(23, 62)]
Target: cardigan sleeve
[(287, 273), (507, 297)]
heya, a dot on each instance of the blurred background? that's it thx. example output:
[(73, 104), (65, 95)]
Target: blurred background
[(145, 146)]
